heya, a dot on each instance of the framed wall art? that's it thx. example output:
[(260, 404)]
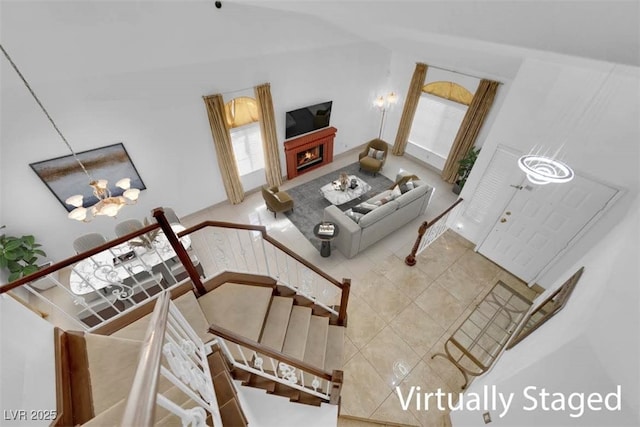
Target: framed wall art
[(64, 176), (547, 308)]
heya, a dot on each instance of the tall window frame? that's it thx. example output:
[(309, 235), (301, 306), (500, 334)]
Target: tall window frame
[(241, 114)]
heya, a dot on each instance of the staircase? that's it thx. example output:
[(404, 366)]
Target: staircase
[(102, 367), (279, 320), (270, 320)]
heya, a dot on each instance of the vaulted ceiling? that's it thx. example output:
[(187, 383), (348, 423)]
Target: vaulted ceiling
[(63, 39), (607, 30)]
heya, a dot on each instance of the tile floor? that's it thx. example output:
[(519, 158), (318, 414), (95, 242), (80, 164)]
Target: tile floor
[(399, 316)]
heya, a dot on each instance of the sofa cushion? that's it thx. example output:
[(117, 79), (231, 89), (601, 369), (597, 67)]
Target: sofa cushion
[(377, 214), (412, 195)]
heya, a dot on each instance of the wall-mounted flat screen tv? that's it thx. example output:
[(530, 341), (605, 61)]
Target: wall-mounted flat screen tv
[(308, 119)]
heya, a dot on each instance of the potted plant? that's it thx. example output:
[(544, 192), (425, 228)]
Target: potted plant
[(466, 164), (19, 255)]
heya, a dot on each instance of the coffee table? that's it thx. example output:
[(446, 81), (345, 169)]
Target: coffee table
[(333, 194)]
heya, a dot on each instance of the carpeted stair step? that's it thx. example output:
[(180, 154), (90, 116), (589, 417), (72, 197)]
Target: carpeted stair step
[(335, 348), (316, 345), (111, 364), (223, 385), (217, 363), (188, 306), (113, 415), (295, 339), (277, 321), (232, 414), (314, 353), (239, 308)]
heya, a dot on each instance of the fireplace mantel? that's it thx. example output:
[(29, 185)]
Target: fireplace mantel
[(292, 147)]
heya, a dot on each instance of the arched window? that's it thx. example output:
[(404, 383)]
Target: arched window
[(241, 114), (440, 111), (241, 111), (449, 90)]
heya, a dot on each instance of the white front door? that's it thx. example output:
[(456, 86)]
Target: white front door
[(540, 221)]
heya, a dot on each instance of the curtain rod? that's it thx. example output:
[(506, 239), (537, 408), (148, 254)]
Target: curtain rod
[(456, 72), (237, 90)]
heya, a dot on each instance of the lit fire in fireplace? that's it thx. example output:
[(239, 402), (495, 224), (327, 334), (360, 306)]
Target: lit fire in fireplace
[(308, 156)]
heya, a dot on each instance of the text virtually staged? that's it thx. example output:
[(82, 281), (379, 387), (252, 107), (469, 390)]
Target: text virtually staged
[(532, 398)]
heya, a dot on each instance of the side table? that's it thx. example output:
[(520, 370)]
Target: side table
[(325, 237)]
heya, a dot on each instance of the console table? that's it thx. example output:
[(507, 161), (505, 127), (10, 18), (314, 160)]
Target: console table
[(475, 345)]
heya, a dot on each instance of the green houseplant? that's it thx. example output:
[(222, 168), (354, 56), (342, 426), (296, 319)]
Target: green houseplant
[(464, 168), (19, 255)]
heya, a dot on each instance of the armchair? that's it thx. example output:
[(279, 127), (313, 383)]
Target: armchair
[(374, 155), (276, 200)]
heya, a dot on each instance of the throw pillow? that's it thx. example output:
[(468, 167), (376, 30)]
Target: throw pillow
[(395, 193), (376, 154), (364, 208), (361, 209), (404, 188), (410, 185), (354, 216)]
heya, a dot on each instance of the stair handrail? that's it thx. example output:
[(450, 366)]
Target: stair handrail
[(141, 403), (268, 351), (344, 286), (410, 260), (263, 230)]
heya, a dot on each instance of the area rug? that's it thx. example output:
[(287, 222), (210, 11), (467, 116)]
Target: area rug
[(309, 204)]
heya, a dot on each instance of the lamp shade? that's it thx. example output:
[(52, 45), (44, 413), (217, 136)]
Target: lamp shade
[(131, 194), (79, 214), (124, 183), (75, 200)]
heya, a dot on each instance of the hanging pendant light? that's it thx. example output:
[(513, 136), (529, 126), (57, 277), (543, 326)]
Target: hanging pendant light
[(107, 204), (542, 169)]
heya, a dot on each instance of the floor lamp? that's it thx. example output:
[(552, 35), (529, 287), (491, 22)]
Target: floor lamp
[(384, 103)]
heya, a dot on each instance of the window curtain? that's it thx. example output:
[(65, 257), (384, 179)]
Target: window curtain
[(470, 127), (410, 105), (224, 149), (272, 169)]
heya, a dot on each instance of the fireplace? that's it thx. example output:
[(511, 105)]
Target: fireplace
[(309, 157), (309, 151)]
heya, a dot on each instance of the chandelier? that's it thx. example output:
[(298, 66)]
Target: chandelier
[(543, 169), (107, 204)]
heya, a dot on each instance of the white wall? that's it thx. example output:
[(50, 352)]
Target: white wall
[(157, 111), (269, 410), (27, 371), (592, 345)]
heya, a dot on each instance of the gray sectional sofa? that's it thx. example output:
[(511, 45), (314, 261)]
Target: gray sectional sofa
[(373, 226)]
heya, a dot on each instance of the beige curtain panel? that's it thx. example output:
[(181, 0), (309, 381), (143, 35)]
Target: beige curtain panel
[(272, 169), (470, 127), (409, 111), (224, 148)]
